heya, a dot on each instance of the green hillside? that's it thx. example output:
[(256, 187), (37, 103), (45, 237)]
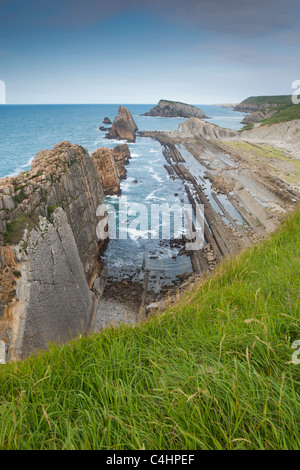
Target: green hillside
[(287, 114), (214, 372), (279, 100)]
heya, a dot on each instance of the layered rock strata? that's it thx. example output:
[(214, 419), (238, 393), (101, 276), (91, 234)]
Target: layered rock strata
[(49, 252), (110, 166)]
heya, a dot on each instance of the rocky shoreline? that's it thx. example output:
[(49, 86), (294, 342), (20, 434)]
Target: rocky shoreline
[(53, 282), (51, 271), (243, 200)]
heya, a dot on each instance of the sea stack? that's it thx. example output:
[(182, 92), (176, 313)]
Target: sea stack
[(123, 127)]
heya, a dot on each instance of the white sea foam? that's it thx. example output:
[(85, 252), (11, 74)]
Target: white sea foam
[(157, 178)]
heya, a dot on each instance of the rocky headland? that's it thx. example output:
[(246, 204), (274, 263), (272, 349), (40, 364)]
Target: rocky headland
[(50, 257), (167, 108)]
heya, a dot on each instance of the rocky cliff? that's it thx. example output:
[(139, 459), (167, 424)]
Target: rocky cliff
[(49, 252), (110, 166), (175, 109), (121, 154), (123, 127)]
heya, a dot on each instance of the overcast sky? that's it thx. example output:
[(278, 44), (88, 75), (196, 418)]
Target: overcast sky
[(139, 51)]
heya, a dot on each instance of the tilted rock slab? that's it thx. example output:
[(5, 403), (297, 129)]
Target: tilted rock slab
[(48, 265), (53, 299)]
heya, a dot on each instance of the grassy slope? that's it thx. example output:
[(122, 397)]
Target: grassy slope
[(287, 114), (214, 372), (285, 109), (282, 100)]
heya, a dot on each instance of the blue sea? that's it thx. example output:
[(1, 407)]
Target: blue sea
[(27, 129)]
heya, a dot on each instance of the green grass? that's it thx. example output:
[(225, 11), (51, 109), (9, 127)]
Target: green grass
[(15, 230), (214, 372), (247, 127), (282, 104), (278, 100), (287, 114)]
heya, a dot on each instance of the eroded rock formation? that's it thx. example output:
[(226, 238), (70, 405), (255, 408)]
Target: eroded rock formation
[(110, 166), (107, 170), (49, 252), (123, 127), (121, 155)]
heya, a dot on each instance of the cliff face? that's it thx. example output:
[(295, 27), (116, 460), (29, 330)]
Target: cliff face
[(121, 155), (49, 253), (107, 170), (52, 300), (123, 127), (175, 109), (110, 166)]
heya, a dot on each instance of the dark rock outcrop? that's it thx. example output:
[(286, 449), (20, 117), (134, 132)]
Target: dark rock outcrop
[(123, 127), (175, 109), (106, 120)]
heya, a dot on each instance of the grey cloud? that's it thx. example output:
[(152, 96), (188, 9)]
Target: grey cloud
[(236, 17)]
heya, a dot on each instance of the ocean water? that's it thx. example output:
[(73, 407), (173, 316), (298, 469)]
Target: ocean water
[(25, 130)]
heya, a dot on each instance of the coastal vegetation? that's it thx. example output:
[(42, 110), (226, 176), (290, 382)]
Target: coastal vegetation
[(258, 101), (286, 114), (213, 371), (267, 110)]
